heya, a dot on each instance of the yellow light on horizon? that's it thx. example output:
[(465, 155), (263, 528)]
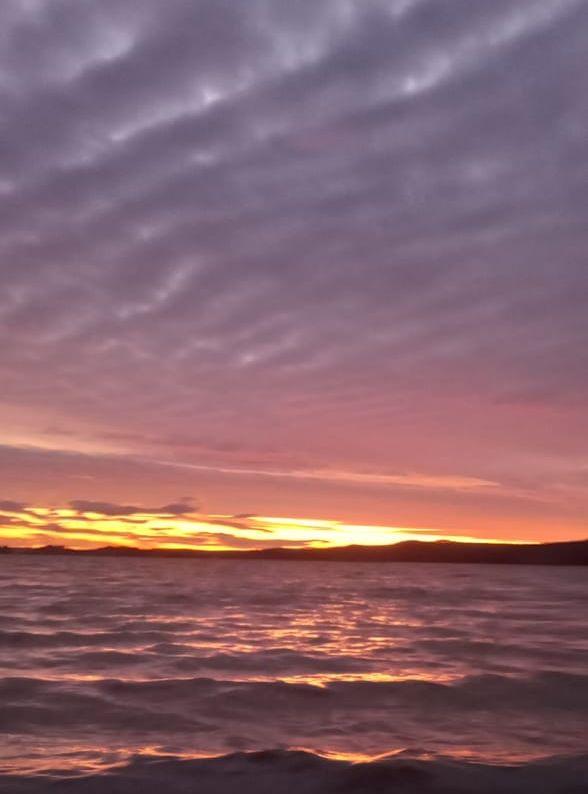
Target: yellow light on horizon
[(63, 526)]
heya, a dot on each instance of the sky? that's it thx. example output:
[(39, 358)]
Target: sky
[(293, 273)]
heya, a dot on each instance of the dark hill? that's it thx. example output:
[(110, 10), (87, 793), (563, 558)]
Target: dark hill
[(564, 553)]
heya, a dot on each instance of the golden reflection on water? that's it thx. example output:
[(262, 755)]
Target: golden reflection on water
[(351, 756), (323, 680), (76, 759), (204, 636)]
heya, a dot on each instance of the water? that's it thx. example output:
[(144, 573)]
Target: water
[(118, 662)]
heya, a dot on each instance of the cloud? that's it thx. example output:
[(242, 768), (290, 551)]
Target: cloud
[(429, 482), (9, 506), (330, 242), (85, 524), (109, 509), (538, 505)]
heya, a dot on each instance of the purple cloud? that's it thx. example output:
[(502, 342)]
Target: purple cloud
[(298, 237)]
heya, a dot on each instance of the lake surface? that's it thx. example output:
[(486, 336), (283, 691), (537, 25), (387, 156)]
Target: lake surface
[(119, 662)]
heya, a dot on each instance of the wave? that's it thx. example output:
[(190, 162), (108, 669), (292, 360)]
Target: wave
[(270, 771), (274, 660), (548, 689), (27, 703), (103, 663), (73, 639)]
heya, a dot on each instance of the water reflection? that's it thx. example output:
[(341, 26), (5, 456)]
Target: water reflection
[(103, 659)]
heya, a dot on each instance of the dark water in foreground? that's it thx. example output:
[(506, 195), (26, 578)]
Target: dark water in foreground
[(455, 672)]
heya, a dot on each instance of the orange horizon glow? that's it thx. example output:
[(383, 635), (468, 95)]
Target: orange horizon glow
[(37, 526)]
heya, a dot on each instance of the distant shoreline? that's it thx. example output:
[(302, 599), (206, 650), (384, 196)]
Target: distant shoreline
[(561, 553)]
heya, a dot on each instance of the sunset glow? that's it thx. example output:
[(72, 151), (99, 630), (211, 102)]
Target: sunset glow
[(329, 267), (293, 396), (94, 526)]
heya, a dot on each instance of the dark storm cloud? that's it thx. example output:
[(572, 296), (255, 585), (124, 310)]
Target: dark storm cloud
[(274, 233)]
